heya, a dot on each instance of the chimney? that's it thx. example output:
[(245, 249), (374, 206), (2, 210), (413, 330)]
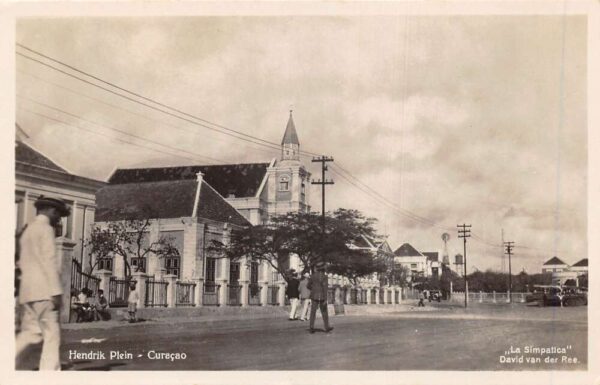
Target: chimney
[(231, 193), (199, 176)]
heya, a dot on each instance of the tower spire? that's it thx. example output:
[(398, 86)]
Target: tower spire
[(290, 145)]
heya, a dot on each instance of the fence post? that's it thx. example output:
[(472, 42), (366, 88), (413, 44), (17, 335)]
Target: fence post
[(393, 295), (494, 296), (369, 295), (104, 276), (508, 294), (140, 287), (480, 296), (377, 295), (171, 280), (522, 297), (349, 295), (64, 252), (281, 293), (198, 291), (338, 295)]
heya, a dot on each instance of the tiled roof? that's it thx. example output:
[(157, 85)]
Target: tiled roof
[(582, 263), (26, 154), (242, 180), (290, 135), (172, 199), (213, 206), (406, 250), (554, 261), (166, 199), (431, 256)]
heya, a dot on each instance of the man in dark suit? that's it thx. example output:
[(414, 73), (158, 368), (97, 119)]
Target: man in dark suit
[(318, 285)]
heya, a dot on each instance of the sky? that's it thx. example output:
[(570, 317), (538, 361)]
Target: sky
[(456, 119)]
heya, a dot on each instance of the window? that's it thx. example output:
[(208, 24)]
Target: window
[(284, 183), (254, 272), (172, 265), (138, 264), (234, 273), (413, 265), (172, 262), (303, 189), (211, 268), (105, 264)]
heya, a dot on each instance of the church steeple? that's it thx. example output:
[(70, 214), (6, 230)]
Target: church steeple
[(290, 146)]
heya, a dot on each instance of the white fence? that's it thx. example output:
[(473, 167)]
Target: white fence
[(493, 297)]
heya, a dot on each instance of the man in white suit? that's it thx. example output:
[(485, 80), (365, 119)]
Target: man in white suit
[(40, 293)]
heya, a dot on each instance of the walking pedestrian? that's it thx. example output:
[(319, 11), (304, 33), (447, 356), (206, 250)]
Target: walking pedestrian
[(132, 301), (304, 296), (318, 286), (292, 292), (40, 292), (421, 299)]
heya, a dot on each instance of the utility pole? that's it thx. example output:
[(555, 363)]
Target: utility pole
[(509, 246), (464, 232), (323, 182)]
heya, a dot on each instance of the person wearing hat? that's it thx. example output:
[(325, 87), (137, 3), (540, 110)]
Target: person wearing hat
[(292, 292), (304, 296), (318, 285), (40, 295)]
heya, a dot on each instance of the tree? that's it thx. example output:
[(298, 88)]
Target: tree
[(304, 235), (396, 274), (127, 239)]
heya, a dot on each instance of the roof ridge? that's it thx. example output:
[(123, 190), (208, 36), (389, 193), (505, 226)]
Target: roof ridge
[(190, 165)]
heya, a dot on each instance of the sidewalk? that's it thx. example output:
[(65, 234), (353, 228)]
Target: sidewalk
[(151, 316)]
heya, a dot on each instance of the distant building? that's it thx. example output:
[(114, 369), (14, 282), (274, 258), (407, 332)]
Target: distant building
[(419, 264), (554, 265), (562, 273), (580, 266)]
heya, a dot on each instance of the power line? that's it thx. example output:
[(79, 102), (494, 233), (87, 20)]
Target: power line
[(103, 135), (120, 131), (137, 94), (268, 150), (145, 104), (219, 128)]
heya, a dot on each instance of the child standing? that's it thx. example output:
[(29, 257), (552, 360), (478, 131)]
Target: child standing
[(132, 301)]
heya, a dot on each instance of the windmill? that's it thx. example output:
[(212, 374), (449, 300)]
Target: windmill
[(445, 259)]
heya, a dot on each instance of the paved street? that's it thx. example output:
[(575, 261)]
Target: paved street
[(447, 339)]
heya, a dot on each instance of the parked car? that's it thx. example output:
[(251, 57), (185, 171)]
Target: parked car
[(435, 295), (554, 295)]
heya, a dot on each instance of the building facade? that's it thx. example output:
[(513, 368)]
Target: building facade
[(35, 175), (249, 193), (419, 264)]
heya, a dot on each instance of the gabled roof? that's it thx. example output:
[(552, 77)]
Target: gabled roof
[(25, 154), (554, 261), (362, 242), (582, 263), (290, 136), (406, 250), (431, 256), (212, 205), (242, 180), (164, 199)]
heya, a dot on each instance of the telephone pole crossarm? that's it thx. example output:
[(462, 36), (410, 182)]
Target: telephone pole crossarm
[(464, 232)]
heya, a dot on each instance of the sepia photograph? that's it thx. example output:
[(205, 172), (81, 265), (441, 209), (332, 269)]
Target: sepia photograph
[(302, 191)]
